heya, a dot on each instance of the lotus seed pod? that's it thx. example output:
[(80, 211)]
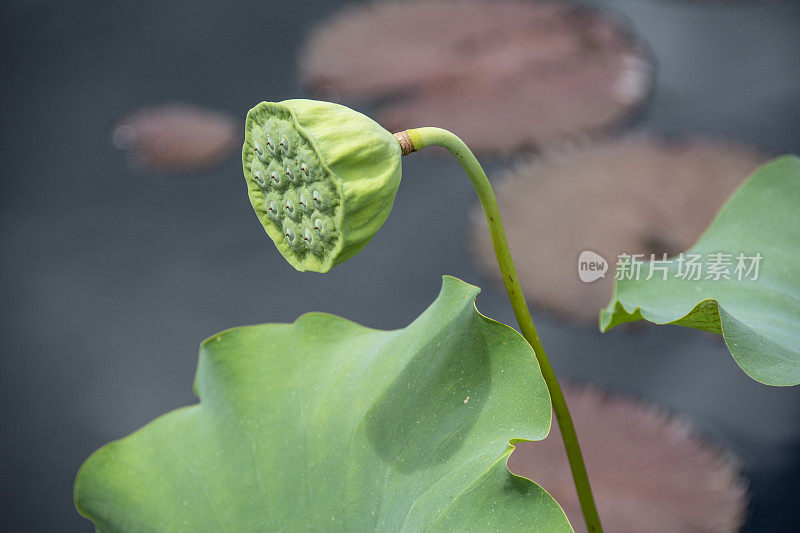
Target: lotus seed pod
[(321, 178)]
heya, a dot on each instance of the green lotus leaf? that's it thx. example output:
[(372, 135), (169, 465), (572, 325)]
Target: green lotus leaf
[(757, 310), (321, 178), (325, 425)]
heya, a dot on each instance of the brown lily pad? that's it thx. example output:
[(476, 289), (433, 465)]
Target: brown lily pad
[(500, 74), (637, 194), (649, 472), (177, 137)]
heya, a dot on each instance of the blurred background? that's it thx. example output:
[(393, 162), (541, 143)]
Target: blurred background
[(127, 236)]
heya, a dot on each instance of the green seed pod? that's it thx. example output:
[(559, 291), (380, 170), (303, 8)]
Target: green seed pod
[(321, 178)]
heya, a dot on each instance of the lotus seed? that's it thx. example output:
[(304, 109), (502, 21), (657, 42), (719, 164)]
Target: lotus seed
[(318, 224), (289, 174), (289, 206), (275, 177), (316, 196), (304, 168), (307, 236), (273, 207), (257, 148), (259, 179), (270, 144), (289, 233), (284, 144)]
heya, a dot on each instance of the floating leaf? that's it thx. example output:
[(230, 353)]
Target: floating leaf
[(759, 315), (637, 194), (500, 74), (177, 137), (627, 444), (325, 425)]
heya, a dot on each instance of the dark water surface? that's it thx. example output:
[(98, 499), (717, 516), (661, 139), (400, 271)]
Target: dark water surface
[(111, 276)]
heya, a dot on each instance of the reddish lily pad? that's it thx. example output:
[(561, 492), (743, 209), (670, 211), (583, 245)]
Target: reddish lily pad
[(650, 472), (638, 194), (501, 75), (177, 137)]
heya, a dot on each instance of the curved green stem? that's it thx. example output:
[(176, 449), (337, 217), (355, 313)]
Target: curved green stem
[(423, 137)]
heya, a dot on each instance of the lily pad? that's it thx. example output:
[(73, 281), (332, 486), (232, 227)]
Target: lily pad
[(627, 444), (640, 193), (756, 311), (502, 75), (177, 137), (325, 425)]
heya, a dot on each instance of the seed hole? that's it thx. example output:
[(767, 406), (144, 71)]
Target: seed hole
[(304, 202), (258, 177)]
